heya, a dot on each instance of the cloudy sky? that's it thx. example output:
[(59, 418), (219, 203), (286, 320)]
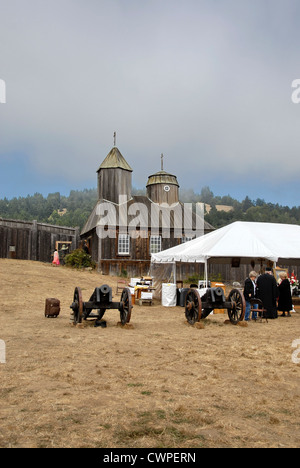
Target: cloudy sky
[(206, 82)]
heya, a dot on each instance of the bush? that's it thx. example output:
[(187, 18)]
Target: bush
[(213, 277), (79, 259)]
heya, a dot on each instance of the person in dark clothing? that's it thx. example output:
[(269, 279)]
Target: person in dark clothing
[(250, 293), (267, 292), (86, 247), (285, 303)]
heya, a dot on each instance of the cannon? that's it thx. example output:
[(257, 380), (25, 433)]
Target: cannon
[(197, 308), (100, 300)]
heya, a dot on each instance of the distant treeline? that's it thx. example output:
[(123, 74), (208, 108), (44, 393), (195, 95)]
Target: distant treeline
[(77, 207), (247, 210), (74, 210)]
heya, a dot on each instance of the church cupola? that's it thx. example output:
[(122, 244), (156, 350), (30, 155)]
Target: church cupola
[(114, 177), (163, 187)]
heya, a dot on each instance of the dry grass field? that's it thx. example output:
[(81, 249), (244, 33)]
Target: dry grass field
[(159, 383)]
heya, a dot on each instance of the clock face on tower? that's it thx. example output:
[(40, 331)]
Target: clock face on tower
[(166, 188)]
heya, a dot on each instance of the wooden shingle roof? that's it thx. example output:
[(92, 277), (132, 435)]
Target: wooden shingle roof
[(114, 159), (162, 177)]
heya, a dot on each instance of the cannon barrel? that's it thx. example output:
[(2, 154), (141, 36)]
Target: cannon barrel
[(217, 294), (105, 289), (218, 291), (103, 294), (214, 295)]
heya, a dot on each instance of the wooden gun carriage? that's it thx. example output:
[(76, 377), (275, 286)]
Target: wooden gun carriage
[(197, 307), (100, 300)]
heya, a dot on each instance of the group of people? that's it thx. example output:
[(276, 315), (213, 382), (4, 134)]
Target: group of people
[(58, 256), (274, 297)]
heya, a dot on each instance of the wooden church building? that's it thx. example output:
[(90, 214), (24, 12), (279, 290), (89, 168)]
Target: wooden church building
[(123, 230)]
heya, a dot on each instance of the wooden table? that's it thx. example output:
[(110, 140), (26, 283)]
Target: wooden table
[(142, 288)]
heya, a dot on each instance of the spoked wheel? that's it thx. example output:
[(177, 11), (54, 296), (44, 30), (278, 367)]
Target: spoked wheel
[(77, 306), (193, 306), (125, 306), (237, 312)]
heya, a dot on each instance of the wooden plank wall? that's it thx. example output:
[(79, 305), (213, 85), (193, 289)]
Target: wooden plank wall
[(222, 272), (32, 240), (112, 182)]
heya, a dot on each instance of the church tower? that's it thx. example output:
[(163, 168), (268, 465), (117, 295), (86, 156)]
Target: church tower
[(114, 177), (163, 187)]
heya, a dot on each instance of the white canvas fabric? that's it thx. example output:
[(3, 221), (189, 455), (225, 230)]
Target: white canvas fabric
[(243, 240)]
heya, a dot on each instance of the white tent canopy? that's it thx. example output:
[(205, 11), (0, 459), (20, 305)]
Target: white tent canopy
[(243, 240)]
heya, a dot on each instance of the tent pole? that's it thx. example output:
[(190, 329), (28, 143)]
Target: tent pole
[(174, 272), (206, 278)]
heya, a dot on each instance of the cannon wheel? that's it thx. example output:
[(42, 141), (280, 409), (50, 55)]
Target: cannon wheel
[(125, 306), (78, 306), (193, 306), (237, 312)]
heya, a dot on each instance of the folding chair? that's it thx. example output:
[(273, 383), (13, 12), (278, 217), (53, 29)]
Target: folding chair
[(261, 311), (121, 284)]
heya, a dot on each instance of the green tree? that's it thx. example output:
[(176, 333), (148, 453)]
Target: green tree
[(246, 204), (206, 195)]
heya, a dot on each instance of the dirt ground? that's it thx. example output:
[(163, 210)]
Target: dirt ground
[(159, 383)]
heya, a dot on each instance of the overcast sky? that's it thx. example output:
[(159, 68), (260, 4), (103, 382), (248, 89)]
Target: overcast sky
[(206, 82)]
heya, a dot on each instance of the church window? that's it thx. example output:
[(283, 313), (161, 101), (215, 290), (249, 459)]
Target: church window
[(155, 244), (123, 244)]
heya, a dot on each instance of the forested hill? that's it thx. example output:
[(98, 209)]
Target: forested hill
[(74, 210)]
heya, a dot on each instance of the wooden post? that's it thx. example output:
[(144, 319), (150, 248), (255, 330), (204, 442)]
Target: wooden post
[(34, 240), (76, 238)]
